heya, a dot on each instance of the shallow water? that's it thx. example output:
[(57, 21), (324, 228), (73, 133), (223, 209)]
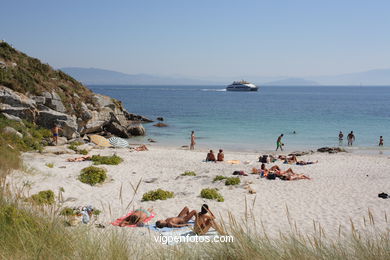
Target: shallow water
[(251, 121)]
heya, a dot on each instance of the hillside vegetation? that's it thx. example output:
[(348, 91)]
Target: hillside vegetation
[(30, 76)]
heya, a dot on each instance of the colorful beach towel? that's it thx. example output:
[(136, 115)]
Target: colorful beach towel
[(99, 140), (119, 220), (233, 161)]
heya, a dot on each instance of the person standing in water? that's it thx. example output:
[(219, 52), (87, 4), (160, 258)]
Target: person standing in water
[(279, 143), (381, 141), (341, 136), (192, 146), (351, 138)]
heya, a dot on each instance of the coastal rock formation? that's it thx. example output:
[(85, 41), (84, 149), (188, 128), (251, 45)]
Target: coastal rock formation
[(160, 125), (136, 130), (37, 93), (12, 131)]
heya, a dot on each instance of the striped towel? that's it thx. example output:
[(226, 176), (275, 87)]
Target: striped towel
[(118, 142)]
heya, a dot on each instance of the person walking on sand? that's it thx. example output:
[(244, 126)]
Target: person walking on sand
[(351, 138), (381, 141), (341, 136), (192, 146), (279, 143), (55, 130)]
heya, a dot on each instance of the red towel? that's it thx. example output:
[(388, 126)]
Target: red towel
[(119, 220)]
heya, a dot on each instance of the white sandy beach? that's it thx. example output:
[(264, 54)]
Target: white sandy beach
[(344, 187)]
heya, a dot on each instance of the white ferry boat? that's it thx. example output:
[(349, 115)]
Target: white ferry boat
[(242, 86)]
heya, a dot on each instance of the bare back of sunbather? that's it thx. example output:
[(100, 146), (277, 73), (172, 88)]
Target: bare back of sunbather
[(137, 217), (180, 221)]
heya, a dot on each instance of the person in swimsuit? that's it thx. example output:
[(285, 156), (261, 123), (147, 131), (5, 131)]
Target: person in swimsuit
[(279, 143), (341, 136), (137, 217), (220, 156), (180, 221), (381, 141), (192, 145), (210, 157), (204, 220), (55, 130), (351, 138)]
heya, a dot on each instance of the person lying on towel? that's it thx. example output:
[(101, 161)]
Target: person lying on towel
[(180, 221), (136, 218)]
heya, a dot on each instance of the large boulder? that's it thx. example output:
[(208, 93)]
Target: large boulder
[(137, 118), (48, 118), (22, 112), (12, 131), (53, 100), (136, 130), (116, 129), (15, 99)]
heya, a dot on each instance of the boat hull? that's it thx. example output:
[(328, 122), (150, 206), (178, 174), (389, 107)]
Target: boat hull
[(242, 89)]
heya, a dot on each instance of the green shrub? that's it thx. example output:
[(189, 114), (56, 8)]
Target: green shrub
[(158, 194), (93, 175), (43, 197), (232, 181), (49, 165), (219, 178), (211, 194), (109, 160), (83, 151), (96, 212), (67, 212), (188, 173), (73, 145)]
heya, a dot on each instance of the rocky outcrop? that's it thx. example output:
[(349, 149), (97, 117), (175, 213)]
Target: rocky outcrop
[(136, 130), (46, 110), (12, 131), (137, 118), (160, 125)]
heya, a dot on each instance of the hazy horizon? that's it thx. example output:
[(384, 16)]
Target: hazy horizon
[(204, 39)]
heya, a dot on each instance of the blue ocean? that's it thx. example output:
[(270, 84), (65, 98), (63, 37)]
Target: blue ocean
[(252, 121)]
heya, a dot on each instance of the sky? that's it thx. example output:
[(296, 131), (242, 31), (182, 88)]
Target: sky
[(203, 38)]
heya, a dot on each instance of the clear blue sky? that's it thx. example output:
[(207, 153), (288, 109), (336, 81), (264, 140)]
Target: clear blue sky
[(203, 38)]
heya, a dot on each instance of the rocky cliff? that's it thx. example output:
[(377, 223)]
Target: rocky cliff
[(36, 92)]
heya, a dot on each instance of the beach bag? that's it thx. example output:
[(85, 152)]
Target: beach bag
[(271, 176)]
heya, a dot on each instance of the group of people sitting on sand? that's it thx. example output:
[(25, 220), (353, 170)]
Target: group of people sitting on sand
[(211, 157), (276, 172), (204, 220)]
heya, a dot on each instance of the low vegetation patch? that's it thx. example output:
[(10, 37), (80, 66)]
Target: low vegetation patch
[(83, 151), (232, 181), (211, 194), (49, 165), (219, 178), (158, 194), (93, 175), (43, 197), (109, 160), (188, 173)]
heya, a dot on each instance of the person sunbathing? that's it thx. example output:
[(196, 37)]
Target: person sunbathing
[(180, 221), (210, 157), (80, 159), (137, 217), (204, 220), (220, 156), (305, 163)]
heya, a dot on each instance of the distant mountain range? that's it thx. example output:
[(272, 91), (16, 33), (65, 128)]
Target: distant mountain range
[(94, 76)]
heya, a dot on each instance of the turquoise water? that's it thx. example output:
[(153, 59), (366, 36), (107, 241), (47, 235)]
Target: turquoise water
[(251, 121)]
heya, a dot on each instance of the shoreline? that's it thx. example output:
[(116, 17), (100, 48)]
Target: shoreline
[(344, 187)]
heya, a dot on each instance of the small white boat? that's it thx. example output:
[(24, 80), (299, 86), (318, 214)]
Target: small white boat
[(242, 86)]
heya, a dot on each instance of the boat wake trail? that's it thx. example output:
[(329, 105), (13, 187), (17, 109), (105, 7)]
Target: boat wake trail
[(214, 90)]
